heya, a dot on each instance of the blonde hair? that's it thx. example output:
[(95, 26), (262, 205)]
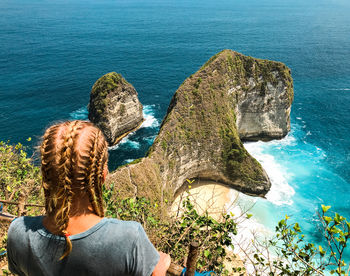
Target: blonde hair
[(73, 156)]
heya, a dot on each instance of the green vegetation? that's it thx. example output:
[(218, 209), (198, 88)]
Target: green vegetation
[(214, 237), (122, 109), (210, 60), (100, 91), (198, 82), (18, 175), (138, 160), (164, 145), (262, 71), (233, 151), (294, 255), (173, 234), (287, 253)]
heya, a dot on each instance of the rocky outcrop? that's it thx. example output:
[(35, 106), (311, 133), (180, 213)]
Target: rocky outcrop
[(264, 101), (114, 107), (200, 137)]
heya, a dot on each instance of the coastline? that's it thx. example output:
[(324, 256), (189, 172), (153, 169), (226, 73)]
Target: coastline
[(208, 196), (217, 199)]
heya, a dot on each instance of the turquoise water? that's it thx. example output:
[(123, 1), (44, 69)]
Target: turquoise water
[(51, 53)]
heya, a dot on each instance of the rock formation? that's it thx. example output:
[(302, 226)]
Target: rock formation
[(232, 96), (114, 107), (264, 100)]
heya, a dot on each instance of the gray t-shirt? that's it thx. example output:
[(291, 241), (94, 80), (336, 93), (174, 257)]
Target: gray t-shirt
[(111, 247)]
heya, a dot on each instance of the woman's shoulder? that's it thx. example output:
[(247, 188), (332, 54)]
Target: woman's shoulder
[(129, 228), (27, 221), (117, 223), (19, 226)]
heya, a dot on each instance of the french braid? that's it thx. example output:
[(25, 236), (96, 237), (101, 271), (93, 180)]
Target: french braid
[(48, 164), (101, 161), (66, 169), (95, 172), (92, 172)]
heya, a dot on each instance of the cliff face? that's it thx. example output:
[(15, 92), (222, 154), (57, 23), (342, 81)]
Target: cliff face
[(114, 107), (200, 137), (265, 95)]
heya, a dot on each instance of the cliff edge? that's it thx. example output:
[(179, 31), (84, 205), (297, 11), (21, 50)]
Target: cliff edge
[(231, 97)]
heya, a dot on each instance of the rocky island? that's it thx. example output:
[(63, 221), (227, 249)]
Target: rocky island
[(231, 98), (114, 107)]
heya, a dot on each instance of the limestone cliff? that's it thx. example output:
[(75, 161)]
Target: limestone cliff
[(114, 107), (200, 137), (265, 95)]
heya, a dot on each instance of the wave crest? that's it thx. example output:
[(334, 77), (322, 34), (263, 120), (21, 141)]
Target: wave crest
[(281, 192)]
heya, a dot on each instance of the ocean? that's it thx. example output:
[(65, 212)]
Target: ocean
[(52, 52)]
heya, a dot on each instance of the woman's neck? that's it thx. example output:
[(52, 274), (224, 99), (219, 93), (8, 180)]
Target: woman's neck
[(76, 224), (81, 218)]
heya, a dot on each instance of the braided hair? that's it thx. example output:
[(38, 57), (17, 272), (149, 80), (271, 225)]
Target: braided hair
[(73, 156)]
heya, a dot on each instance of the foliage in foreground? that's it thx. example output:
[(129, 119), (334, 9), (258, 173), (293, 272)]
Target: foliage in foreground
[(289, 253), (173, 235), (307, 258), (18, 175)]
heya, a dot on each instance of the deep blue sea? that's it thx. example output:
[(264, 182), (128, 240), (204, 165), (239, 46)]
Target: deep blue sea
[(52, 52)]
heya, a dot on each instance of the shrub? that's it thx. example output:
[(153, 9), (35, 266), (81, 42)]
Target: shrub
[(18, 175), (289, 253), (173, 235)]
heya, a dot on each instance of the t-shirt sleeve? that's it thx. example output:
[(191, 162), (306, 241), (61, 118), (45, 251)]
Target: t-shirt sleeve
[(11, 263), (11, 249), (145, 255)]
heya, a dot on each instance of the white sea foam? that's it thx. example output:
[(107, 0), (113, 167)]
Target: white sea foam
[(79, 114), (341, 89), (150, 121), (248, 230), (132, 144), (148, 114), (289, 140), (281, 192), (150, 139), (127, 142), (126, 161), (114, 147)]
